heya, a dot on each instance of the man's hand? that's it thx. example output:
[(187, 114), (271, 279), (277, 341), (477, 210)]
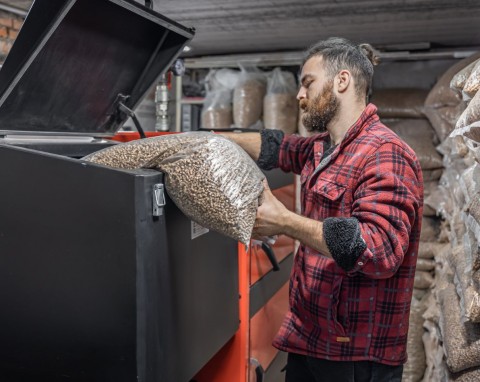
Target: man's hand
[(271, 215)]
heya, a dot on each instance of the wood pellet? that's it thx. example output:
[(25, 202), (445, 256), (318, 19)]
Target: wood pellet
[(211, 179)]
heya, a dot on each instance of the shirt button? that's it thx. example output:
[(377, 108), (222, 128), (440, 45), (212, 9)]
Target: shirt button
[(360, 263)]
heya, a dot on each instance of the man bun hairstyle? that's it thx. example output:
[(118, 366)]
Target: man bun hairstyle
[(370, 53), (339, 54)]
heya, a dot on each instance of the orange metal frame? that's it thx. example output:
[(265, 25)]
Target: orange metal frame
[(231, 363)]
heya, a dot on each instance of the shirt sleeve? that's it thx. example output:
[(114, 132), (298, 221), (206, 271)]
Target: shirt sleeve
[(295, 150), (344, 241), (386, 204), (269, 149)]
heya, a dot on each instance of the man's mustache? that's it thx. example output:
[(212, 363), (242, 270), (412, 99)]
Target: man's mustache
[(303, 104)]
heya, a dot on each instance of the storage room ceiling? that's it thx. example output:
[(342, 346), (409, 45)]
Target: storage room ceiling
[(248, 26)]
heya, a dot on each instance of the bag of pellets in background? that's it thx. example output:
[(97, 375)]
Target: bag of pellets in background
[(399, 103), (217, 107), (468, 125), (472, 84), (210, 178), (280, 105), (429, 249), (441, 94), (444, 105), (248, 98), (458, 81), (461, 341), (422, 280), (430, 229), (469, 296), (416, 364), (420, 136)]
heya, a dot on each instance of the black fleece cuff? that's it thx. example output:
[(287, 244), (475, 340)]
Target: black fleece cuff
[(270, 149), (344, 241)]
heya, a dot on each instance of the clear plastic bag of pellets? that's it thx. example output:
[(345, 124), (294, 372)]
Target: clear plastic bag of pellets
[(210, 178), (217, 107), (468, 124), (248, 98), (280, 106)]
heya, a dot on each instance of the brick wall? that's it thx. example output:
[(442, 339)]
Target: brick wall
[(9, 26)]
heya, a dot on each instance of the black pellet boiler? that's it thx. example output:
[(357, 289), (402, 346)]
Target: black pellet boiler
[(102, 278)]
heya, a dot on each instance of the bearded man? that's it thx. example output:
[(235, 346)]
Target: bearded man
[(362, 200)]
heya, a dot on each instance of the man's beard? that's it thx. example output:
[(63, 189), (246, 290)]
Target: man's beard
[(321, 110)]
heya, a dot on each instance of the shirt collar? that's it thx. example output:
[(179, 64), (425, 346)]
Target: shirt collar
[(368, 116)]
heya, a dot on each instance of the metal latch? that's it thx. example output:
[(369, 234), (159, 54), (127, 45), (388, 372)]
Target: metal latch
[(158, 199)]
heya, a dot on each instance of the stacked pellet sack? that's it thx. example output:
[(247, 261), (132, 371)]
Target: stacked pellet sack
[(402, 110), (454, 110), (280, 105)]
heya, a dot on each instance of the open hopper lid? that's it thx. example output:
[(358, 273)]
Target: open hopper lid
[(75, 60)]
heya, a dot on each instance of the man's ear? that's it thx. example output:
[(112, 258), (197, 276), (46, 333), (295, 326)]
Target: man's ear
[(344, 80)]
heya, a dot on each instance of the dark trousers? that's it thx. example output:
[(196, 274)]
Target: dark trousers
[(301, 368)]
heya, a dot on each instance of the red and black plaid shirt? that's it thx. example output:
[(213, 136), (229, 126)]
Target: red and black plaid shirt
[(361, 314)]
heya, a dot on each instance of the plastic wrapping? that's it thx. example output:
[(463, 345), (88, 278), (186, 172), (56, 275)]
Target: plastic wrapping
[(248, 98), (439, 201), (280, 105), (468, 123), (473, 148), (461, 341), (472, 226), (469, 297), (458, 81), (415, 367), (217, 107), (443, 119), (420, 136), (474, 207), (472, 84), (400, 103), (435, 371), (217, 110), (432, 313), (460, 147), (471, 249), (210, 178), (468, 183), (457, 227)]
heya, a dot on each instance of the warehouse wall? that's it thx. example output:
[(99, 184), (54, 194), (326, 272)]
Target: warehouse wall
[(421, 74)]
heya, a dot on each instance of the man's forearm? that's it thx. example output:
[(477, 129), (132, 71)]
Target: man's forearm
[(250, 142), (308, 231)]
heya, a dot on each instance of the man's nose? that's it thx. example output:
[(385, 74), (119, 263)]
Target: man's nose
[(302, 93)]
